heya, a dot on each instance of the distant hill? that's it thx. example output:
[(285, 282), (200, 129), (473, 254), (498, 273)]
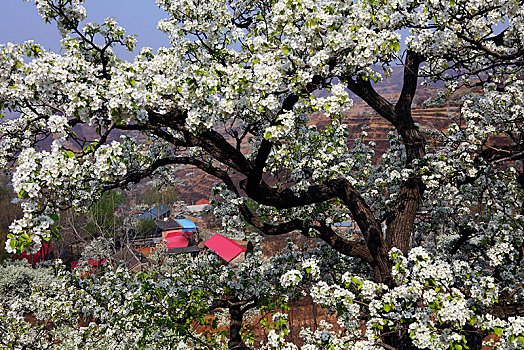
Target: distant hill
[(198, 185)]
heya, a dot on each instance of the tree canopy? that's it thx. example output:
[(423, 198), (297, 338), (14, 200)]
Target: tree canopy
[(439, 217)]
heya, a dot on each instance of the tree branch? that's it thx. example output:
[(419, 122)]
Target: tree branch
[(363, 89)]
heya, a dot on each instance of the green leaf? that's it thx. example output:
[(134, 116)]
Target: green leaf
[(498, 331), (387, 307), (394, 46)]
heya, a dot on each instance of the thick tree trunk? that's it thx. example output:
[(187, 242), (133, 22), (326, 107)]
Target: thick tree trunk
[(235, 326), (399, 342), (520, 180), (411, 194)]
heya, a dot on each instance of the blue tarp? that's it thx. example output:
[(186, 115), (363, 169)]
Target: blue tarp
[(187, 225)]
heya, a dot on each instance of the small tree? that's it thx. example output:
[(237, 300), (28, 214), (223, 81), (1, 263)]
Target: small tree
[(103, 219), (163, 195), (145, 227)]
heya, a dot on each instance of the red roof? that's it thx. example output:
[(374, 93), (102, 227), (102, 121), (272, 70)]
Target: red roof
[(224, 247), (90, 262), (202, 201), (36, 257), (168, 232), (176, 240)]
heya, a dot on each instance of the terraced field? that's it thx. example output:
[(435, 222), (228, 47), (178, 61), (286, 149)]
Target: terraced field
[(198, 185)]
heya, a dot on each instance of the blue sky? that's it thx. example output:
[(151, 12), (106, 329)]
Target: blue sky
[(20, 21)]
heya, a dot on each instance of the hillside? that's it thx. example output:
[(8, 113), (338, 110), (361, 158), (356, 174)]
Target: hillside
[(198, 184)]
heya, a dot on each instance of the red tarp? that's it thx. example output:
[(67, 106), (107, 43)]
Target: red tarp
[(39, 255), (176, 240), (90, 262), (170, 232), (224, 247)]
